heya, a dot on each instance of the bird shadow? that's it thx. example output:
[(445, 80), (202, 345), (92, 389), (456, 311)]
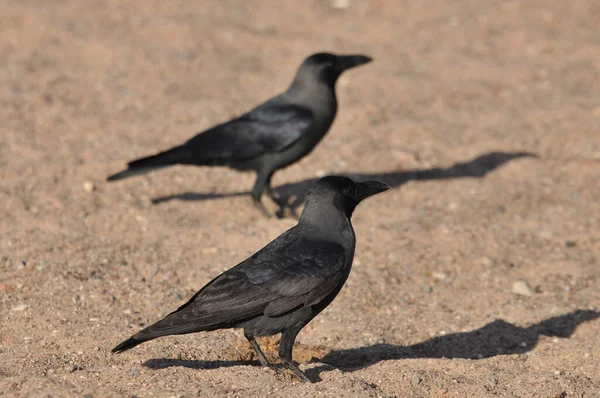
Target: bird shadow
[(496, 338), (164, 363), (292, 194)]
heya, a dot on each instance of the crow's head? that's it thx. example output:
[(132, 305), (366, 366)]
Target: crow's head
[(327, 67), (341, 192)]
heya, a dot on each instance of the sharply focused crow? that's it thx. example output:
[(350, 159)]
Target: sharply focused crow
[(271, 136), (282, 287)]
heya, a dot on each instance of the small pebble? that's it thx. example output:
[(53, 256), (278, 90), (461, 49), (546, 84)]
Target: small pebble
[(76, 368), (89, 186), (486, 261), (5, 287), (416, 380), (134, 372), (340, 4), (19, 307), (439, 275), (522, 288)]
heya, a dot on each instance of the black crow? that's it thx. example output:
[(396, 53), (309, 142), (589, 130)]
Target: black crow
[(271, 136), (282, 287)]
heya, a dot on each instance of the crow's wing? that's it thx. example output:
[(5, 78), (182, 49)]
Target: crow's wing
[(272, 127), (288, 273), (301, 272)]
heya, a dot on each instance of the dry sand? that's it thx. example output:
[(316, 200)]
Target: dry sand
[(478, 275)]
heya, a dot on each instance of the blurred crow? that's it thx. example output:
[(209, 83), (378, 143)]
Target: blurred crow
[(270, 137), (282, 287)]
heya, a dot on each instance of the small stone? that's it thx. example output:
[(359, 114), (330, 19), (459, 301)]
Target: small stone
[(75, 368), (405, 157), (439, 275), (570, 243), (427, 289), (486, 261), (340, 4), (134, 372), (6, 288), (89, 186), (416, 380), (19, 307), (522, 288)]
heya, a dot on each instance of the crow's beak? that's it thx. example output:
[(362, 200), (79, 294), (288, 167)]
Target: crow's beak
[(369, 188), (351, 61)]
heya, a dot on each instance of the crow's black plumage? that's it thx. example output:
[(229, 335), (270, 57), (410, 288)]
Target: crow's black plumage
[(269, 137), (286, 284)]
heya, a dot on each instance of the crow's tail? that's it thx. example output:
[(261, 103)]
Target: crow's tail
[(144, 335), (170, 325), (126, 345), (154, 162)]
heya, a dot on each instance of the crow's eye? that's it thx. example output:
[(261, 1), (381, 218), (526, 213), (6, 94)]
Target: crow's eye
[(328, 64), (349, 192)]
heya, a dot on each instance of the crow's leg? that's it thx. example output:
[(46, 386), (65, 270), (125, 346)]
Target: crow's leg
[(271, 194), (261, 356), (262, 179), (285, 353), (281, 202)]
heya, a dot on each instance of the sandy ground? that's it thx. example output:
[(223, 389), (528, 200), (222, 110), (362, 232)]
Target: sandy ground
[(478, 275)]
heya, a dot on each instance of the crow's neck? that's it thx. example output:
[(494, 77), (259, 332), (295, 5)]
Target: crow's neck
[(327, 222), (311, 88)]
